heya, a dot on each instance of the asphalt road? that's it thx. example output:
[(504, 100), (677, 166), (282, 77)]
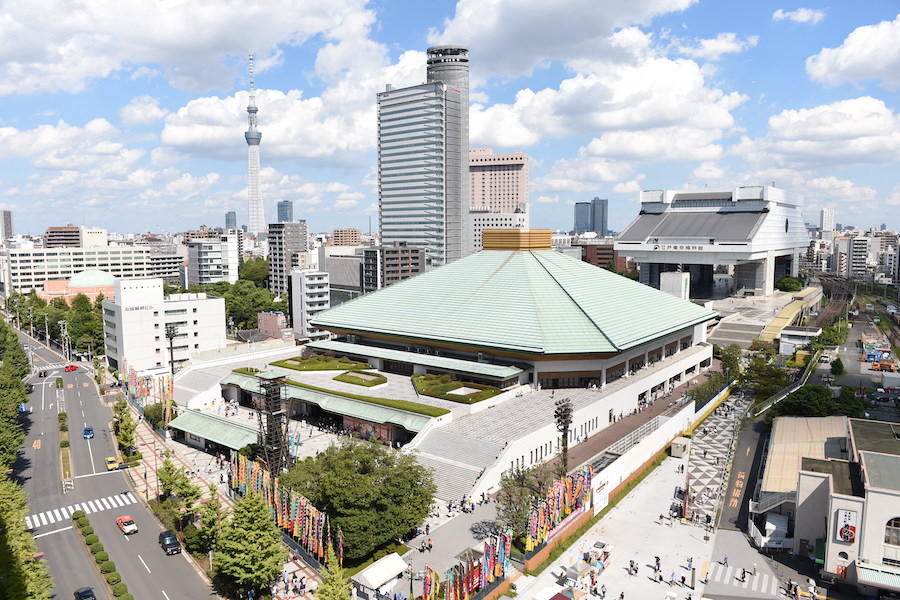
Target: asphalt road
[(147, 571)]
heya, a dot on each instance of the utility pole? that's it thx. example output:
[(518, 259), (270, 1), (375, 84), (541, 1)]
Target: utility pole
[(64, 338), (47, 329), (171, 332), (31, 320)]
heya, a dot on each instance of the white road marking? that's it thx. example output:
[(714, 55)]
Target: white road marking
[(54, 531), (106, 503), (145, 564), (58, 515), (165, 595), (28, 522), (93, 508), (43, 519)]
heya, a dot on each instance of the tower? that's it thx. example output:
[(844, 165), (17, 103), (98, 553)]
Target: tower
[(423, 158), (256, 222)]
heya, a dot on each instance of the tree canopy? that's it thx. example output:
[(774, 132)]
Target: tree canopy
[(373, 493), (730, 361), (249, 552), (520, 489), (763, 377), (816, 401), (789, 284)]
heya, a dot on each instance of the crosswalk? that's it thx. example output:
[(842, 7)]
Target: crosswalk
[(762, 584), (48, 517)]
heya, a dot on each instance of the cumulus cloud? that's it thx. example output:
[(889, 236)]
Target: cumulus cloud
[(142, 110), (801, 15), (857, 131), (713, 49), (195, 45), (870, 52), (547, 199), (582, 174)]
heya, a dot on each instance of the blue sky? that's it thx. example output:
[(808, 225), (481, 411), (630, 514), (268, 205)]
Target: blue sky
[(131, 115)]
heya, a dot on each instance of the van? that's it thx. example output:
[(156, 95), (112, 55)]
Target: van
[(168, 541)]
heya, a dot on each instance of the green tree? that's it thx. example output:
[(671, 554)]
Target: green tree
[(12, 394), (808, 401), (171, 478), (848, 403), (250, 554), (81, 304), (731, 361), (837, 367), (562, 417), (125, 427), (23, 576), (336, 583), (789, 284), (765, 378), (212, 517), (255, 270), (373, 493), (519, 490)]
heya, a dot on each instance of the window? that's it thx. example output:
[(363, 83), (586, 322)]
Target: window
[(892, 532)]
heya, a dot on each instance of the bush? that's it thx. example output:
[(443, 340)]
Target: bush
[(61, 417), (63, 443), (96, 547), (133, 457), (78, 515), (90, 538), (126, 596), (59, 383), (113, 578), (101, 557), (193, 541), (119, 589), (87, 531), (108, 567), (63, 426)]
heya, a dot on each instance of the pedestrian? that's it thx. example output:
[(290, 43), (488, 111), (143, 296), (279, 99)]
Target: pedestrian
[(755, 569), (690, 563), (656, 559), (603, 591), (725, 561), (427, 528), (660, 518), (622, 596), (430, 545), (672, 579)]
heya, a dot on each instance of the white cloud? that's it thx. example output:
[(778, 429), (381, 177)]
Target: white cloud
[(142, 110), (195, 45), (860, 130), (801, 15), (629, 187), (658, 144), (713, 49), (547, 199), (869, 52), (510, 38), (582, 174), (709, 172)]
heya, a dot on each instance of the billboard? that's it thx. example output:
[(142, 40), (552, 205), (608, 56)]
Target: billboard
[(846, 526)]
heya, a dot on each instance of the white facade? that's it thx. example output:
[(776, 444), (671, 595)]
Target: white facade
[(826, 220), (310, 296), (134, 325), (213, 260), (481, 218), (94, 237), (25, 270)]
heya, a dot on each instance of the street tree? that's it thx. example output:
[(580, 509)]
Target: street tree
[(562, 415), (249, 552), (171, 478), (12, 394), (212, 518), (764, 378), (520, 489), (373, 493), (808, 401), (837, 367), (336, 583), (731, 361), (23, 576)]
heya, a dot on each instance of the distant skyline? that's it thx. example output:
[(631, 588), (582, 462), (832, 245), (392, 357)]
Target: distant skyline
[(124, 117)]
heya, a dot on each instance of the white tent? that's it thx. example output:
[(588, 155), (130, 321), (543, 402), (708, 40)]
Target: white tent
[(381, 571)]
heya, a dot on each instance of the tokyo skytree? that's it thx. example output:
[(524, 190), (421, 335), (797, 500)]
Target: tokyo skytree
[(256, 222)]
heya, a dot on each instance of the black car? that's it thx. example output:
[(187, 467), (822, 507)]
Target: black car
[(168, 541), (85, 594)]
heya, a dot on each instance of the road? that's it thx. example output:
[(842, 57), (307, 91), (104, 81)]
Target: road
[(147, 571)]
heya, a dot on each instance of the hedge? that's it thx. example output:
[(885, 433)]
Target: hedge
[(78, 515), (119, 589), (440, 386), (62, 416), (90, 538), (349, 377), (113, 578), (87, 530), (82, 520), (126, 596), (63, 443), (96, 547), (318, 362), (108, 567), (101, 557)]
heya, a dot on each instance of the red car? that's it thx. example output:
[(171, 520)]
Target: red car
[(70, 368), (127, 525)]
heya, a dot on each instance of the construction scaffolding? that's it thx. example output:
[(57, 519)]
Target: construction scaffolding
[(273, 425)]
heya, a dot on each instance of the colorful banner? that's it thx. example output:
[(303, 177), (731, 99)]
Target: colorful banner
[(568, 495), (476, 573)]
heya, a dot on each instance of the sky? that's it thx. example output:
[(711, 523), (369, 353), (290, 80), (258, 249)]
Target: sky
[(131, 115)]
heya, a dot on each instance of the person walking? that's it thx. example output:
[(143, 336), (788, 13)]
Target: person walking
[(755, 569), (603, 591), (725, 561)]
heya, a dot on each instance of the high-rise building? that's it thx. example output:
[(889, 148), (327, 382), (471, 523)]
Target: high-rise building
[(311, 296), (75, 236), (256, 221), (6, 225), (584, 220), (346, 236), (423, 150), (386, 265), (826, 219), (286, 240), (285, 211), (600, 216), (498, 181), (231, 220), (212, 260)]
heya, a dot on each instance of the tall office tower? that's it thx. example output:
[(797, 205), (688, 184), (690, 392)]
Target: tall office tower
[(498, 181), (231, 220), (286, 241), (826, 219), (285, 211), (600, 216), (423, 150), (256, 221), (6, 225), (584, 219)]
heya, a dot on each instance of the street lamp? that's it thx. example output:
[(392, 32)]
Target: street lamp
[(31, 320), (171, 332), (47, 329), (64, 338)]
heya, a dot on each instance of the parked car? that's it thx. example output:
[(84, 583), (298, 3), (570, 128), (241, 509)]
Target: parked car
[(168, 541), (88, 433), (70, 368), (85, 593), (112, 463), (127, 525)]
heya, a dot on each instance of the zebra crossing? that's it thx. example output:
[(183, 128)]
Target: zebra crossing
[(48, 517), (763, 584)]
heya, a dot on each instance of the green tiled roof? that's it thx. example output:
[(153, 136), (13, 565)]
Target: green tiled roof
[(530, 301), (428, 360), (216, 429)]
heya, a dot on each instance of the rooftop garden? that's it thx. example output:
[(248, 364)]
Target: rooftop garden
[(320, 362), (443, 386), (363, 378)]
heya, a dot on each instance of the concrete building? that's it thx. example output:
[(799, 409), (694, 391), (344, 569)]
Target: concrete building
[(600, 252), (134, 325), (212, 260), (25, 270), (6, 225), (583, 218), (826, 220), (346, 237), (90, 283), (758, 232), (592, 216), (275, 325), (498, 181), (75, 236), (386, 265), (482, 218), (286, 241), (311, 296), (423, 157), (231, 220), (285, 211)]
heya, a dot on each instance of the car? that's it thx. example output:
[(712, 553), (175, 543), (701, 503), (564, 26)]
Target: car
[(85, 593), (168, 541), (29, 388), (70, 368), (112, 463), (42, 373), (88, 433), (126, 524)]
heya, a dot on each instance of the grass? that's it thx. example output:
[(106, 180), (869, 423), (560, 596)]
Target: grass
[(369, 379), (564, 545), (318, 362), (413, 407), (440, 386)]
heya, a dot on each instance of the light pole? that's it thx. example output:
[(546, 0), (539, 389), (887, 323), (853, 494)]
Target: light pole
[(64, 338), (31, 320), (47, 329), (171, 332), (18, 321)]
